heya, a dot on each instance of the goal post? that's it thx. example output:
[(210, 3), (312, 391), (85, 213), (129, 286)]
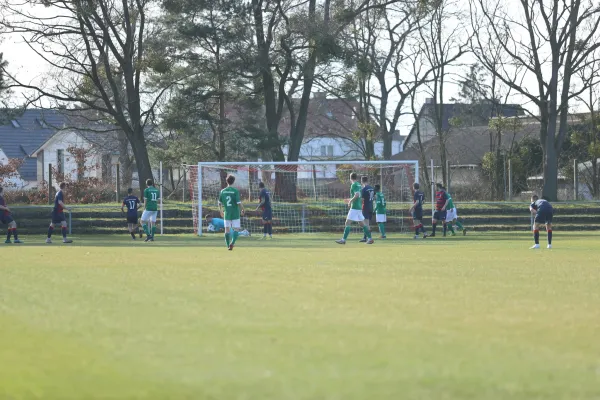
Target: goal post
[(307, 196)]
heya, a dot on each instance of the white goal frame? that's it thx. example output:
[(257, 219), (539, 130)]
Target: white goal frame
[(275, 163)]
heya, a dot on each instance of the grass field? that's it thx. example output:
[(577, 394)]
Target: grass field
[(476, 317)]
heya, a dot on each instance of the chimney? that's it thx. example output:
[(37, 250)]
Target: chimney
[(320, 95), (429, 100)]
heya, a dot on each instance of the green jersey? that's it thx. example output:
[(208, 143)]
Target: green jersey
[(450, 205), (230, 198), (357, 203), (151, 196), (379, 203)]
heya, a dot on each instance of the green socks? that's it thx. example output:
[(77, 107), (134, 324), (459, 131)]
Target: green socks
[(227, 239), (235, 236), (460, 226), (153, 230), (381, 228), (367, 232), (145, 228), (450, 227), (346, 232)]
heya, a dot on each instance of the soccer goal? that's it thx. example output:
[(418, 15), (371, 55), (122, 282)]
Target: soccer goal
[(307, 197)]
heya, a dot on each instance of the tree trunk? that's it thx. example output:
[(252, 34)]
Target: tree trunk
[(286, 185), (142, 161)]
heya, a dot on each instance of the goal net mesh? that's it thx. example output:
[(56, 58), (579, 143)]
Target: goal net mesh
[(306, 198)]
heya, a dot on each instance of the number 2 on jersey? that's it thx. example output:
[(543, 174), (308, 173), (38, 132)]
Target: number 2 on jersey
[(228, 201)]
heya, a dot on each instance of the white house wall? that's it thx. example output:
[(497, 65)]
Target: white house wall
[(13, 182)]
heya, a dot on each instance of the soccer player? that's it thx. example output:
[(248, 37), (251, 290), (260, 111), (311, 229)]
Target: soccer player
[(543, 215), (452, 216), (58, 215), (441, 204), (133, 205), (355, 213), (267, 211), (417, 211), (7, 219), (217, 223), (231, 209), (380, 212), (151, 196), (368, 196)]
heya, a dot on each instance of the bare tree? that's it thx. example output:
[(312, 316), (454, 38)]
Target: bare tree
[(97, 51), (544, 44)]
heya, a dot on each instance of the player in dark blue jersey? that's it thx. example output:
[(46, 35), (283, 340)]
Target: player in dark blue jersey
[(58, 215), (367, 194), (132, 203), (267, 211), (543, 211), (6, 218), (417, 211)]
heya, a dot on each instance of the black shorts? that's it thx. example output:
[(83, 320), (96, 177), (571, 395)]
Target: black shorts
[(132, 219), (544, 216), (58, 218), (6, 219), (439, 215), (417, 214), (368, 214), (267, 215)]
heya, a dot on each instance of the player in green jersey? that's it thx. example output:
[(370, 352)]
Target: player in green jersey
[(151, 197), (380, 211), (452, 216), (231, 209), (355, 213)]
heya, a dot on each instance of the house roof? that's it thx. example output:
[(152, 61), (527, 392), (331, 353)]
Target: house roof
[(471, 114), (467, 146), (32, 129)]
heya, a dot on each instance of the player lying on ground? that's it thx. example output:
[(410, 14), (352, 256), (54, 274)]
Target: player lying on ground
[(380, 211), (543, 211), (417, 211), (58, 215), (441, 202), (133, 204), (7, 219), (151, 196), (267, 211), (218, 224), (231, 209), (367, 194), (452, 216), (355, 212)]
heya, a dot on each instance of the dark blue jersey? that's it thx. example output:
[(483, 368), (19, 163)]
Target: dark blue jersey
[(541, 205), (57, 207), (131, 202), (368, 195), (265, 199), (419, 199)]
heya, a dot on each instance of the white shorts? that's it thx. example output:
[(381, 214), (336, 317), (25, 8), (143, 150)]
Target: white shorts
[(355, 215), (451, 214), (232, 223), (380, 218), (149, 216)]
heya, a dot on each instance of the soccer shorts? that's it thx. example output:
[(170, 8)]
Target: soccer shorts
[(544, 217), (149, 216), (380, 218), (451, 214), (58, 218), (233, 223), (132, 219), (355, 215), (439, 215), (417, 214), (267, 215), (6, 219)]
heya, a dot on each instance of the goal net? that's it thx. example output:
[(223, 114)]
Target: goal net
[(306, 197)]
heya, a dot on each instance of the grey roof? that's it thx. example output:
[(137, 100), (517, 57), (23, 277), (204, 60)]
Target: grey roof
[(35, 128)]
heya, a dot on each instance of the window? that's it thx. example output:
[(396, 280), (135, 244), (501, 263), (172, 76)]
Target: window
[(327, 151), (60, 161), (15, 123), (323, 151), (42, 123), (330, 151)]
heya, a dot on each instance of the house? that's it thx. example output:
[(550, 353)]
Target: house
[(466, 115), (22, 136)]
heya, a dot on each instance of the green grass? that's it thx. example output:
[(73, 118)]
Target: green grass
[(299, 317)]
